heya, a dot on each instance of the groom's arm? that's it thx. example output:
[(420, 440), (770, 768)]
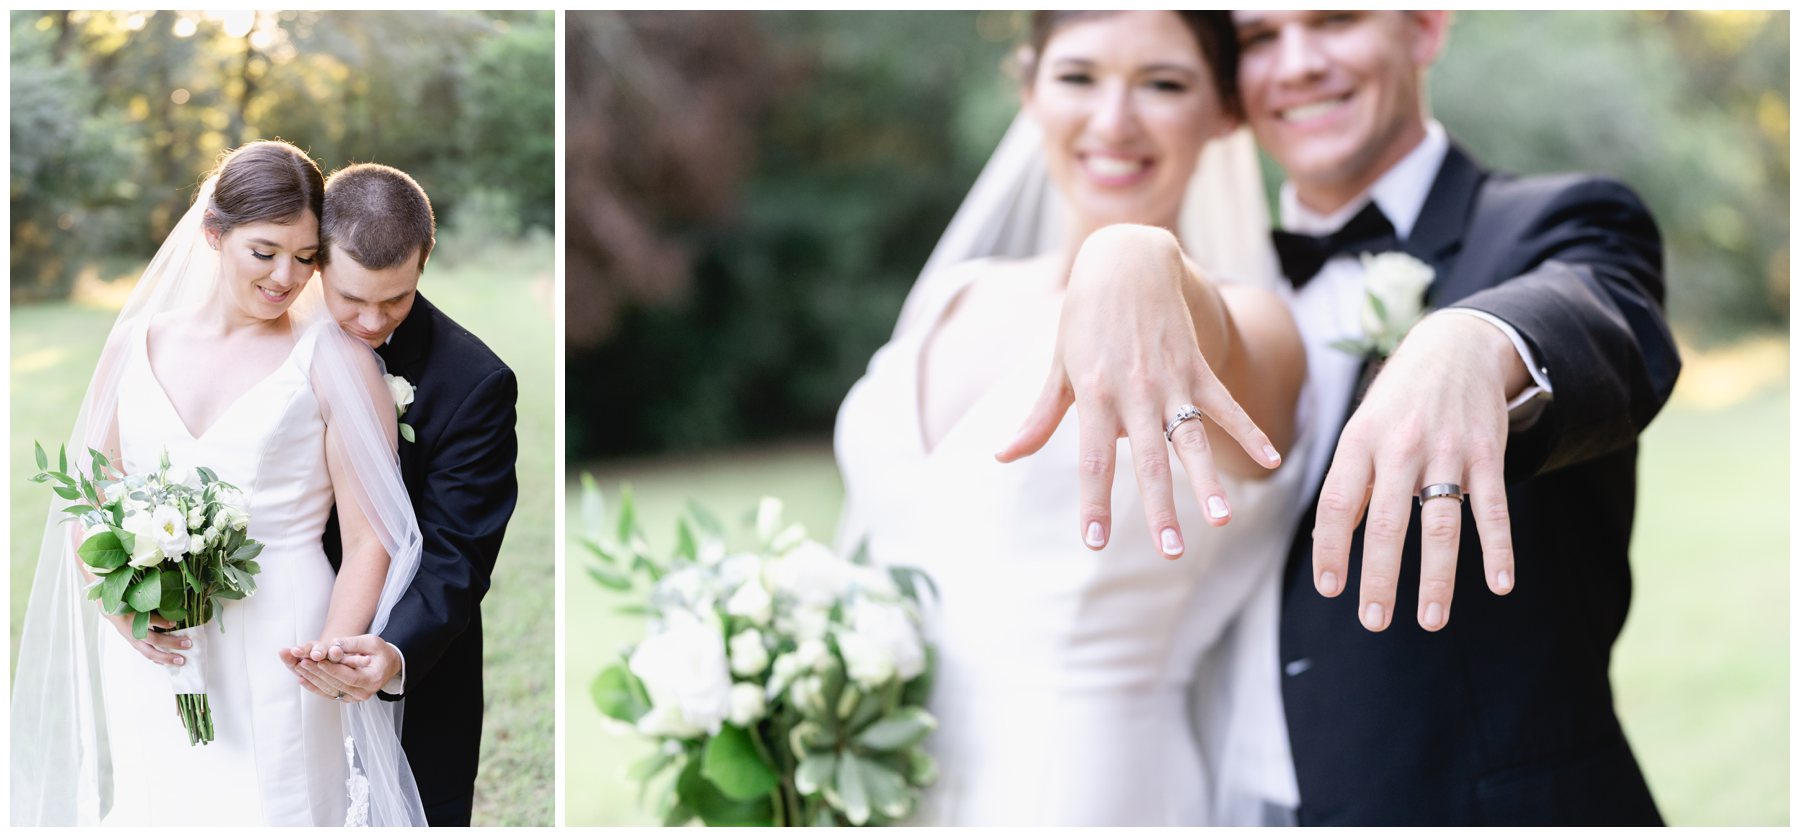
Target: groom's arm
[(470, 491), (1585, 294)]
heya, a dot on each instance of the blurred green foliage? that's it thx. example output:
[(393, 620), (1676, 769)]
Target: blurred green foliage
[(866, 129), (117, 116)]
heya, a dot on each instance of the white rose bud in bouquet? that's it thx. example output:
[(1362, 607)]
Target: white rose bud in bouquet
[(747, 704), (787, 667), (145, 551), (804, 623), (811, 573), (170, 531), (748, 656), (182, 475), (813, 655), (751, 602), (196, 519), (808, 694), (684, 669), (882, 642), (114, 493), (874, 581), (196, 544), (231, 502)]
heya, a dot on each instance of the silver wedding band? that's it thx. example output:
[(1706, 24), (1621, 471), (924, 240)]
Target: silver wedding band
[(1185, 412), (338, 697), (1443, 489)]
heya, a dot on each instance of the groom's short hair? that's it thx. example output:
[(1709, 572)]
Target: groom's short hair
[(377, 215)]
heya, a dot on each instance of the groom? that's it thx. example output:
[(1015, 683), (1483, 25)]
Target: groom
[(1526, 390), (458, 464)]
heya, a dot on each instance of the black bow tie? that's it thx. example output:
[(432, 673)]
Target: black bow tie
[(1303, 255)]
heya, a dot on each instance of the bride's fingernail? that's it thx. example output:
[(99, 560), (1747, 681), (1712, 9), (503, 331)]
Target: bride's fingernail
[(1271, 454), (179, 661), (1372, 616), (1171, 542), (1096, 534), (187, 643), (1328, 583), (1504, 579), (1215, 506)]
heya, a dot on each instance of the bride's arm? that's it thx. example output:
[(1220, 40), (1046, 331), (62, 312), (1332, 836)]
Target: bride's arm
[(363, 569)]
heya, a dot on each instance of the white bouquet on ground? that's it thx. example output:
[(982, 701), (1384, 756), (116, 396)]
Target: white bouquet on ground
[(784, 684), (171, 543)]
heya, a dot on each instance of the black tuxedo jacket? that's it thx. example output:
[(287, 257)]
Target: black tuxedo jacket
[(1505, 715), (460, 475)]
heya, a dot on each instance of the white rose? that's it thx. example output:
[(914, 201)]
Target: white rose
[(874, 581), (196, 544), (813, 655), (145, 549), (683, 667), (402, 391), (751, 602), (181, 475), (804, 623), (810, 572), (196, 518), (170, 531), (747, 704), (232, 505), (1399, 281), (114, 492), (808, 694), (711, 552), (748, 656), (881, 642)]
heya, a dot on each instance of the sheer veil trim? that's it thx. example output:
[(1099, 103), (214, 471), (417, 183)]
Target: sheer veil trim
[(1014, 211), (60, 769)]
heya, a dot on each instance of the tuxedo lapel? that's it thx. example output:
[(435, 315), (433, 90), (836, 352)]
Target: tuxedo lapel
[(1437, 235), (406, 350)]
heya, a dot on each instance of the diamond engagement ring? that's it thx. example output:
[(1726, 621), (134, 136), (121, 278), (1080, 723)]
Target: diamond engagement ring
[(1447, 490), (1185, 412)]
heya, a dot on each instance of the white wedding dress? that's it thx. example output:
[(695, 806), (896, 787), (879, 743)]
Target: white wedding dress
[(1064, 675), (279, 755)]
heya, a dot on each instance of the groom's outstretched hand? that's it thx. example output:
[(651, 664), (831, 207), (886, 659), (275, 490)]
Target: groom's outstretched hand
[(1437, 413), (354, 668), (1130, 350)]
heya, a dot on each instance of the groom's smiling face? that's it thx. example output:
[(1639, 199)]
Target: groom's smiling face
[(1336, 97), (370, 304)]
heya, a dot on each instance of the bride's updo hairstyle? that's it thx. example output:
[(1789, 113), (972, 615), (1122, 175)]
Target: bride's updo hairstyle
[(268, 180), (1213, 31)]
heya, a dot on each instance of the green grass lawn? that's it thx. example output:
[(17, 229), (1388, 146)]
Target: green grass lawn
[(1701, 672), (503, 294)]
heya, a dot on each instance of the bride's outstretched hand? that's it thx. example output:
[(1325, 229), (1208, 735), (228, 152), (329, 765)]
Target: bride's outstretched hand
[(1127, 358)]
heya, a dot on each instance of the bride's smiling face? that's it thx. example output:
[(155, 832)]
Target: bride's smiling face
[(1126, 101), (264, 264)]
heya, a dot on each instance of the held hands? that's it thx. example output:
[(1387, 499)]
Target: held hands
[(351, 669), (1128, 355), (1435, 414)]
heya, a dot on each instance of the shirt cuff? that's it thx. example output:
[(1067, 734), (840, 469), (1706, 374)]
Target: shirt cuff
[(1523, 410), (396, 685)]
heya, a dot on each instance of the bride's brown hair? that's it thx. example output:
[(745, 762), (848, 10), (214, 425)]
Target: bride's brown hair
[(268, 180), (1213, 31)]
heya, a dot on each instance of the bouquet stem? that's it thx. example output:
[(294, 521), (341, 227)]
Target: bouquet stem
[(196, 717), (189, 682)]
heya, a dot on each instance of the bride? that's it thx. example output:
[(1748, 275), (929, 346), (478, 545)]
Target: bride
[(1066, 687), (225, 358)]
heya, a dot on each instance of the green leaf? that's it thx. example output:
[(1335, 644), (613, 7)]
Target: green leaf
[(707, 522), (609, 578), (78, 509), (62, 458), (715, 808), (852, 792), (823, 818), (627, 514), (173, 614), (66, 492), (619, 694), (244, 553), (899, 731), (146, 593), (113, 587), (919, 688), (406, 432), (101, 463), (207, 477), (93, 590), (679, 814), (1381, 312), (594, 547), (861, 556), (733, 765), (105, 550), (43, 461), (685, 546), (908, 580), (646, 768), (921, 768), (593, 506), (815, 772), (140, 625), (887, 789), (634, 609)]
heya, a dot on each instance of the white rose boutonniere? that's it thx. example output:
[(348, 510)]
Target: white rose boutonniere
[(1393, 304), (403, 391)]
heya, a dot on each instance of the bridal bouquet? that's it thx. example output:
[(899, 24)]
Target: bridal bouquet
[(784, 685), (171, 543)]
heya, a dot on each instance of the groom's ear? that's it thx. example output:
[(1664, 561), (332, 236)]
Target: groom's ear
[(1430, 30)]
